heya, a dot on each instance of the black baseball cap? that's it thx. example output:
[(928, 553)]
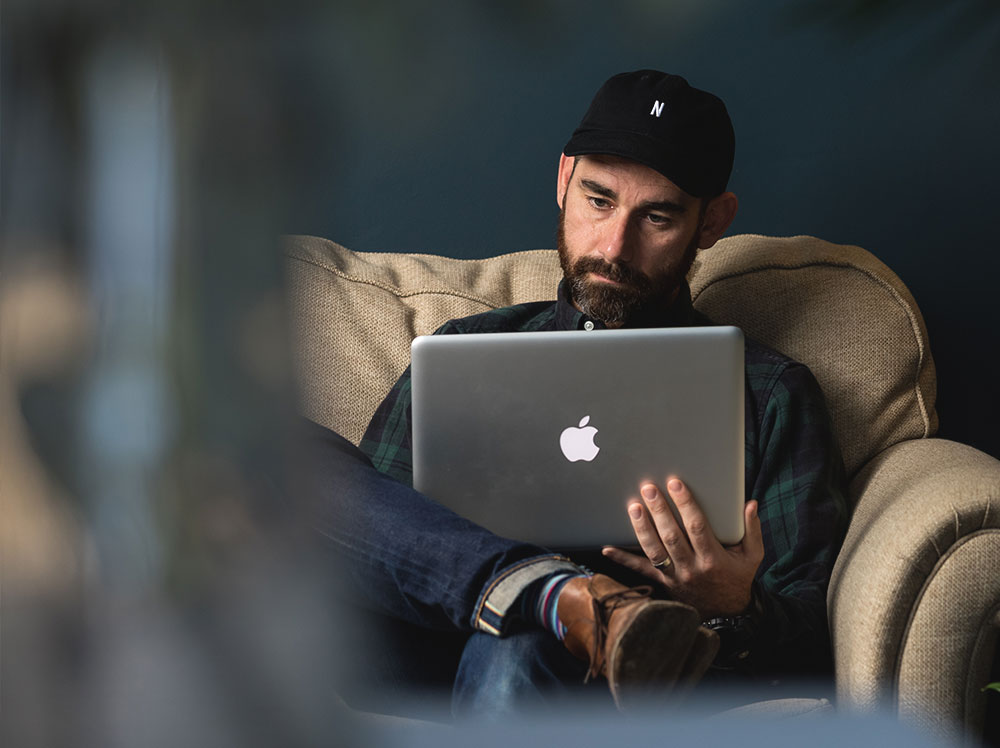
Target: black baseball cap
[(662, 122)]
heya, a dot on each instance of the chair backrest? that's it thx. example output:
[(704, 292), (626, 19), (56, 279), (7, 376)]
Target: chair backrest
[(835, 308)]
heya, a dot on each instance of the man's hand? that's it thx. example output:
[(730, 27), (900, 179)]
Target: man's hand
[(701, 572)]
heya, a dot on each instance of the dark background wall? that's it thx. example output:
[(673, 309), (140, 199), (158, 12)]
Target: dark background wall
[(436, 128)]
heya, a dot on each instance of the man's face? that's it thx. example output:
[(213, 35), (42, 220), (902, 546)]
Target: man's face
[(627, 237)]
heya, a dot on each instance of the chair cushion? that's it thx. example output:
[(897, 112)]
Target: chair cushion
[(843, 313), (355, 313), (835, 308)]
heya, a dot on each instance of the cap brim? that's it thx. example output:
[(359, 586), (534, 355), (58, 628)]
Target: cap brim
[(640, 148)]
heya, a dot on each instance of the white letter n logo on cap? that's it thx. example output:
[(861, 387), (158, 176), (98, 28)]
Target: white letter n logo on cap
[(657, 108)]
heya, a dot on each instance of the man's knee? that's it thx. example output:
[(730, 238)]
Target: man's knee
[(500, 675)]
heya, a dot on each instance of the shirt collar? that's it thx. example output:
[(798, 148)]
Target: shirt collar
[(679, 314)]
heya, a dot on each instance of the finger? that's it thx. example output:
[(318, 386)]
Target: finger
[(636, 563), (668, 531), (753, 537), (646, 533), (632, 561), (699, 532)]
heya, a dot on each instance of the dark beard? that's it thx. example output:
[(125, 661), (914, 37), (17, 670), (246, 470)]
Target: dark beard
[(618, 306)]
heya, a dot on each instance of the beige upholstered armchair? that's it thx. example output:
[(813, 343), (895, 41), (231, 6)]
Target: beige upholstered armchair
[(914, 603)]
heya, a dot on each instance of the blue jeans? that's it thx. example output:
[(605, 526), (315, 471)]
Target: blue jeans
[(525, 670), (447, 586)]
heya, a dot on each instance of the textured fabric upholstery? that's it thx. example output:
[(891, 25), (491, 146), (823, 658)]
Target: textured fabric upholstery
[(356, 313), (915, 595), (841, 312)]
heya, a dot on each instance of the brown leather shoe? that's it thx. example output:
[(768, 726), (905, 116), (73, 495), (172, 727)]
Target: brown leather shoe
[(639, 645)]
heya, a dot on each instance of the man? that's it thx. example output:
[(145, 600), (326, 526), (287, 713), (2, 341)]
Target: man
[(641, 186)]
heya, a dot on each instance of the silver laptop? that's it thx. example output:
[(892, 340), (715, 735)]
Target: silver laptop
[(544, 437)]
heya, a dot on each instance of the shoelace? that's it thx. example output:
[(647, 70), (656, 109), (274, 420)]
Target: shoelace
[(604, 607)]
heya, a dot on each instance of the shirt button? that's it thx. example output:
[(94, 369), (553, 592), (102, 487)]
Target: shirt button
[(588, 325)]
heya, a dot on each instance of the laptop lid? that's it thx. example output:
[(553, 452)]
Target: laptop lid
[(544, 437)]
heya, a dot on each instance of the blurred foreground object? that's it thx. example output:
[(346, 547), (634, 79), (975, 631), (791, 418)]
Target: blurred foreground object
[(158, 582), (44, 330)]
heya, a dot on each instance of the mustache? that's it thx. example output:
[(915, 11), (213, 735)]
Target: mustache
[(613, 271)]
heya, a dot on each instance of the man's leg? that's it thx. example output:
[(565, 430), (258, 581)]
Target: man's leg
[(527, 669), (408, 557), (412, 559)]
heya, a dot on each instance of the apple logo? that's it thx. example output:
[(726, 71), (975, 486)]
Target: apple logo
[(577, 443)]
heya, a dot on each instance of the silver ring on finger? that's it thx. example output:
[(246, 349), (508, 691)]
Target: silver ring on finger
[(663, 565)]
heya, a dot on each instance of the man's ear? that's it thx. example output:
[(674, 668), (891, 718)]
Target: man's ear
[(566, 166), (719, 213)]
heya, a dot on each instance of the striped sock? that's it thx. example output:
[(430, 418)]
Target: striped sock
[(540, 602)]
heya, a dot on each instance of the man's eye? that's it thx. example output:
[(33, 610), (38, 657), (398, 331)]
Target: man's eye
[(657, 219), (599, 202)]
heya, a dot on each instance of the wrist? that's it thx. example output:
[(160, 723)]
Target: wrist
[(737, 633)]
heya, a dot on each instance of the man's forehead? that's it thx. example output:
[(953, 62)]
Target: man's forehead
[(629, 174)]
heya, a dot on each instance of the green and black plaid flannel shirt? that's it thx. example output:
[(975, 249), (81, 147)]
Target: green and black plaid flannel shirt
[(793, 469)]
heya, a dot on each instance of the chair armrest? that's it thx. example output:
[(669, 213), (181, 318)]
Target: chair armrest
[(915, 593)]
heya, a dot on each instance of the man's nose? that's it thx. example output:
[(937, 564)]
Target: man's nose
[(618, 240)]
